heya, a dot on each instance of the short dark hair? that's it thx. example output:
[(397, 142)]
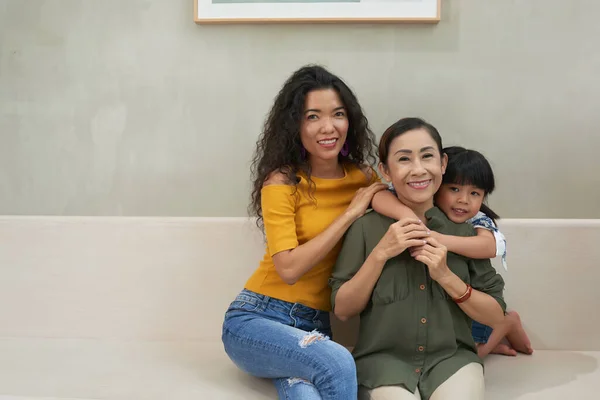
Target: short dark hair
[(402, 126), (470, 167)]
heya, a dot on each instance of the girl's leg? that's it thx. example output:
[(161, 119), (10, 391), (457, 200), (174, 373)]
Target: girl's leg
[(516, 336), (513, 330), (494, 343), (269, 349), (466, 384), (501, 348), (395, 392)]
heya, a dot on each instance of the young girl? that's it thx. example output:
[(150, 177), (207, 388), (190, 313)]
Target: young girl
[(466, 183)]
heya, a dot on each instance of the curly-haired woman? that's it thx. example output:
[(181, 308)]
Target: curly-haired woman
[(311, 180)]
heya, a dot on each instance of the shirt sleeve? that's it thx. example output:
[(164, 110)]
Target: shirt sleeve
[(350, 259), (485, 279), (392, 189), (278, 204), (482, 221)]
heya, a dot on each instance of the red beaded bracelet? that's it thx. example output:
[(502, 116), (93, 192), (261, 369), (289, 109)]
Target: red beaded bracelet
[(465, 296)]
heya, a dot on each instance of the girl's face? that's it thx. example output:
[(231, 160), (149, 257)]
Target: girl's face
[(324, 125), (459, 202), (415, 168)]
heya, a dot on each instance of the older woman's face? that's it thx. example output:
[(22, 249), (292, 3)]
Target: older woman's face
[(415, 167)]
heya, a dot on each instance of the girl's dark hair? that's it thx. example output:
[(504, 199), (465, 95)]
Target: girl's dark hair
[(470, 167), (402, 126), (279, 149)]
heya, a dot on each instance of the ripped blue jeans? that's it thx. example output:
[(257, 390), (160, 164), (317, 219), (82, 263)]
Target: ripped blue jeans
[(290, 344)]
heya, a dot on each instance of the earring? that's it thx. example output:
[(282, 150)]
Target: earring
[(303, 153), (345, 150)]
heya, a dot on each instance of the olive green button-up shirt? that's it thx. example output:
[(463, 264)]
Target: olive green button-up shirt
[(411, 332)]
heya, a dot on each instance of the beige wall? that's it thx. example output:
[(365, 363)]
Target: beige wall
[(128, 108)]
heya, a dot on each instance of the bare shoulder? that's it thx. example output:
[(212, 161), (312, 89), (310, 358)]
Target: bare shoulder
[(277, 178)]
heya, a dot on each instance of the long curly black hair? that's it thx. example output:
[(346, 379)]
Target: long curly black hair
[(279, 148)]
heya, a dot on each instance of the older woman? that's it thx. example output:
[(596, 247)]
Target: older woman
[(416, 301)]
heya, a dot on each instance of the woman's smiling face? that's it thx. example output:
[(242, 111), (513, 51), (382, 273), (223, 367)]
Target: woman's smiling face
[(415, 167)]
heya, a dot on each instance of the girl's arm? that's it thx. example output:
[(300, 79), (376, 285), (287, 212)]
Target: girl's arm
[(386, 203), (480, 247), (485, 304)]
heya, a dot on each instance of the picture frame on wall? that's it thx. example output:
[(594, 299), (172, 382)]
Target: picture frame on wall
[(316, 11)]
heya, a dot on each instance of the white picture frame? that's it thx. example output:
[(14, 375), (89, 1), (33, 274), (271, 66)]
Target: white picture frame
[(316, 11)]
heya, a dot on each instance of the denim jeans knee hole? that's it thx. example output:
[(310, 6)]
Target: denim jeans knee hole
[(312, 337), (294, 381)]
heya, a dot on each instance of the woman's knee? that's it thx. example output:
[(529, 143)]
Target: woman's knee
[(338, 361), (467, 383), (335, 372), (393, 392), (346, 364)]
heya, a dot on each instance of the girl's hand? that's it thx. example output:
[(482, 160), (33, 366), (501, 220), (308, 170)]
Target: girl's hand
[(432, 254), (362, 198), (400, 236)]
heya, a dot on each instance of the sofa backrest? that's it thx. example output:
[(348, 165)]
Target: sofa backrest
[(172, 278)]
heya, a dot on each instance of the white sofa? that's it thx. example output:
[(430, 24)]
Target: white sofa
[(131, 308)]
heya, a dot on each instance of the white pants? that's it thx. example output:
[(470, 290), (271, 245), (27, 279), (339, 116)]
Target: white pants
[(466, 384)]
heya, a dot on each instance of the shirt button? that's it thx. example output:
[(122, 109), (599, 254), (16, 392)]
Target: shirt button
[(422, 287), (421, 348), (423, 320), (418, 370)]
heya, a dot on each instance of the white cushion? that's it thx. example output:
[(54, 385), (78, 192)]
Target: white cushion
[(131, 308), (121, 370)]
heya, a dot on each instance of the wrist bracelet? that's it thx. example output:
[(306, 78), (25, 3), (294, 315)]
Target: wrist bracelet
[(465, 296)]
